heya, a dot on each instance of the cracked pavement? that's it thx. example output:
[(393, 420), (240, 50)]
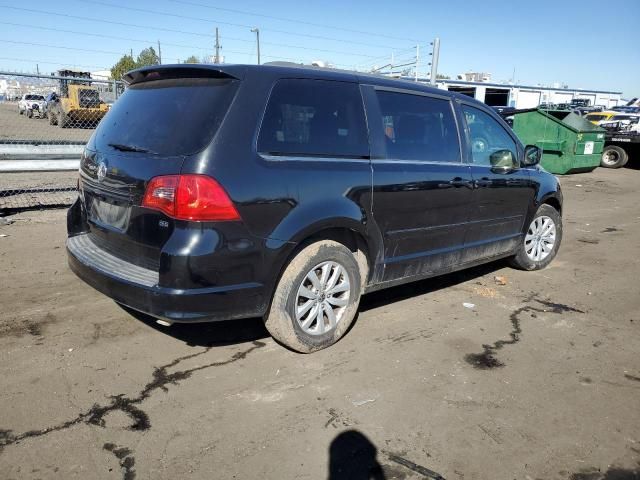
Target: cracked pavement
[(539, 380)]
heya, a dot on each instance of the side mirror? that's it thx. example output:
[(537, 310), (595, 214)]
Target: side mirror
[(503, 160), (532, 155)]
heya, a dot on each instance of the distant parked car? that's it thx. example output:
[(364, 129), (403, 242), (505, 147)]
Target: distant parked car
[(623, 122), (547, 106), (506, 113), (626, 109), (50, 100), (30, 104), (598, 117)]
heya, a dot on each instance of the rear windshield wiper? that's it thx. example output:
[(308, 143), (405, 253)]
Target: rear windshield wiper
[(130, 148)]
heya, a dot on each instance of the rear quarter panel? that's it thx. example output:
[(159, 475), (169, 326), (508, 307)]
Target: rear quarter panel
[(282, 200)]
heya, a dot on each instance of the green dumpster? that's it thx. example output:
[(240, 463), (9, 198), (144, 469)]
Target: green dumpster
[(570, 143)]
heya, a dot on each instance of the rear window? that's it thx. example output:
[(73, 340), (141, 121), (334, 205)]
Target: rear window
[(167, 117), (314, 118)]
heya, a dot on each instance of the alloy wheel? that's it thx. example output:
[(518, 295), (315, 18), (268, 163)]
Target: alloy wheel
[(540, 238), (322, 298)]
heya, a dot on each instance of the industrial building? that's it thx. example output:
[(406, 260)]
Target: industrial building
[(525, 96)]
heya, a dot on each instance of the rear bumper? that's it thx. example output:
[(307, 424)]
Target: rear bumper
[(137, 288)]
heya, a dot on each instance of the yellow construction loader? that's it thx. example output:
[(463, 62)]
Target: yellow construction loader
[(77, 103)]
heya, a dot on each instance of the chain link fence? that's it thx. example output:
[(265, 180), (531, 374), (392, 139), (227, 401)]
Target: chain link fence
[(45, 121)]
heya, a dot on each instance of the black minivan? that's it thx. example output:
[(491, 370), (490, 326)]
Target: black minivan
[(215, 192)]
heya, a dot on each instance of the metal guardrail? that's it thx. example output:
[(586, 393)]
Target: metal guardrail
[(28, 157), (41, 140)]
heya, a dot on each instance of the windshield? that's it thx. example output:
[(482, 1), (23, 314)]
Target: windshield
[(89, 94), (34, 97), (168, 117)]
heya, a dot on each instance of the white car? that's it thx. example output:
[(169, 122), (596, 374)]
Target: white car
[(31, 104), (622, 122)]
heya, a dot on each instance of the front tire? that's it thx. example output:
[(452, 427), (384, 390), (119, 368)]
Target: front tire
[(541, 241), (316, 299), (613, 157)]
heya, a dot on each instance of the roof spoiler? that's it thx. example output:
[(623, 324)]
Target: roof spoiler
[(171, 72)]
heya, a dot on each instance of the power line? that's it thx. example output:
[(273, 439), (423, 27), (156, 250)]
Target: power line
[(99, 35), (100, 20), (60, 47), (120, 53), (394, 52), (293, 20), (237, 52), (240, 25), (164, 29), (31, 60)]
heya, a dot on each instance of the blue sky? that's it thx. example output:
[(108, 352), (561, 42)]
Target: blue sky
[(581, 43)]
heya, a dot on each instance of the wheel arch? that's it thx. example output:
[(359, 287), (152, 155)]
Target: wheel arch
[(554, 202), (345, 231)]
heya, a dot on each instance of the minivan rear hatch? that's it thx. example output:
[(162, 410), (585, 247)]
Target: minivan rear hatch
[(163, 117)]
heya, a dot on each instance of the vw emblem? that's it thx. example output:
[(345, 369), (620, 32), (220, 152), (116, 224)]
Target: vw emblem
[(102, 171)]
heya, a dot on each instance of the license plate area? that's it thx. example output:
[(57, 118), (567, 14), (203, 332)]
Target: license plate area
[(110, 213)]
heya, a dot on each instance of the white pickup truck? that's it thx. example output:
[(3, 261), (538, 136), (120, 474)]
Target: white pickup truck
[(31, 104)]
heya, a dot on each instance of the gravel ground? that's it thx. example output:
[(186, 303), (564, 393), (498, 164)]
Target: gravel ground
[(540, 379), (29, 190), (18, 127)]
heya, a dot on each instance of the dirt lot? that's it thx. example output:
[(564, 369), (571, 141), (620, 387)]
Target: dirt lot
[(539, 380), (18, 127)]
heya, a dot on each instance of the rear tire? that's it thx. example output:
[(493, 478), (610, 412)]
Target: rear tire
[(541, 241), (323, 275), (614, 157)]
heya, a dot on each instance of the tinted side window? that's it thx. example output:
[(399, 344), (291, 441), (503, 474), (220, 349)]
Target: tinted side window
[(418, 128), (316, 118), (487, 136)]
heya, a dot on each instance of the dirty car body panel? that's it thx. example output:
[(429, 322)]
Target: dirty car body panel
[(413, 217)]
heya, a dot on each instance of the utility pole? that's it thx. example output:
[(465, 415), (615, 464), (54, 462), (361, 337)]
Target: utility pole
[(38, 69), (257, 32), (417, 59), (435, 54), (131, 52), (159, 53), (217, 57)]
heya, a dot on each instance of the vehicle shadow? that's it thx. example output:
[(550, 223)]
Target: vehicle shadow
[(233, 332), (210, 334), (633, 163), (429, 285)]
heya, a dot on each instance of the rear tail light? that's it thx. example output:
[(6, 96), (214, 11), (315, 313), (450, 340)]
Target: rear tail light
[(190, 197)]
